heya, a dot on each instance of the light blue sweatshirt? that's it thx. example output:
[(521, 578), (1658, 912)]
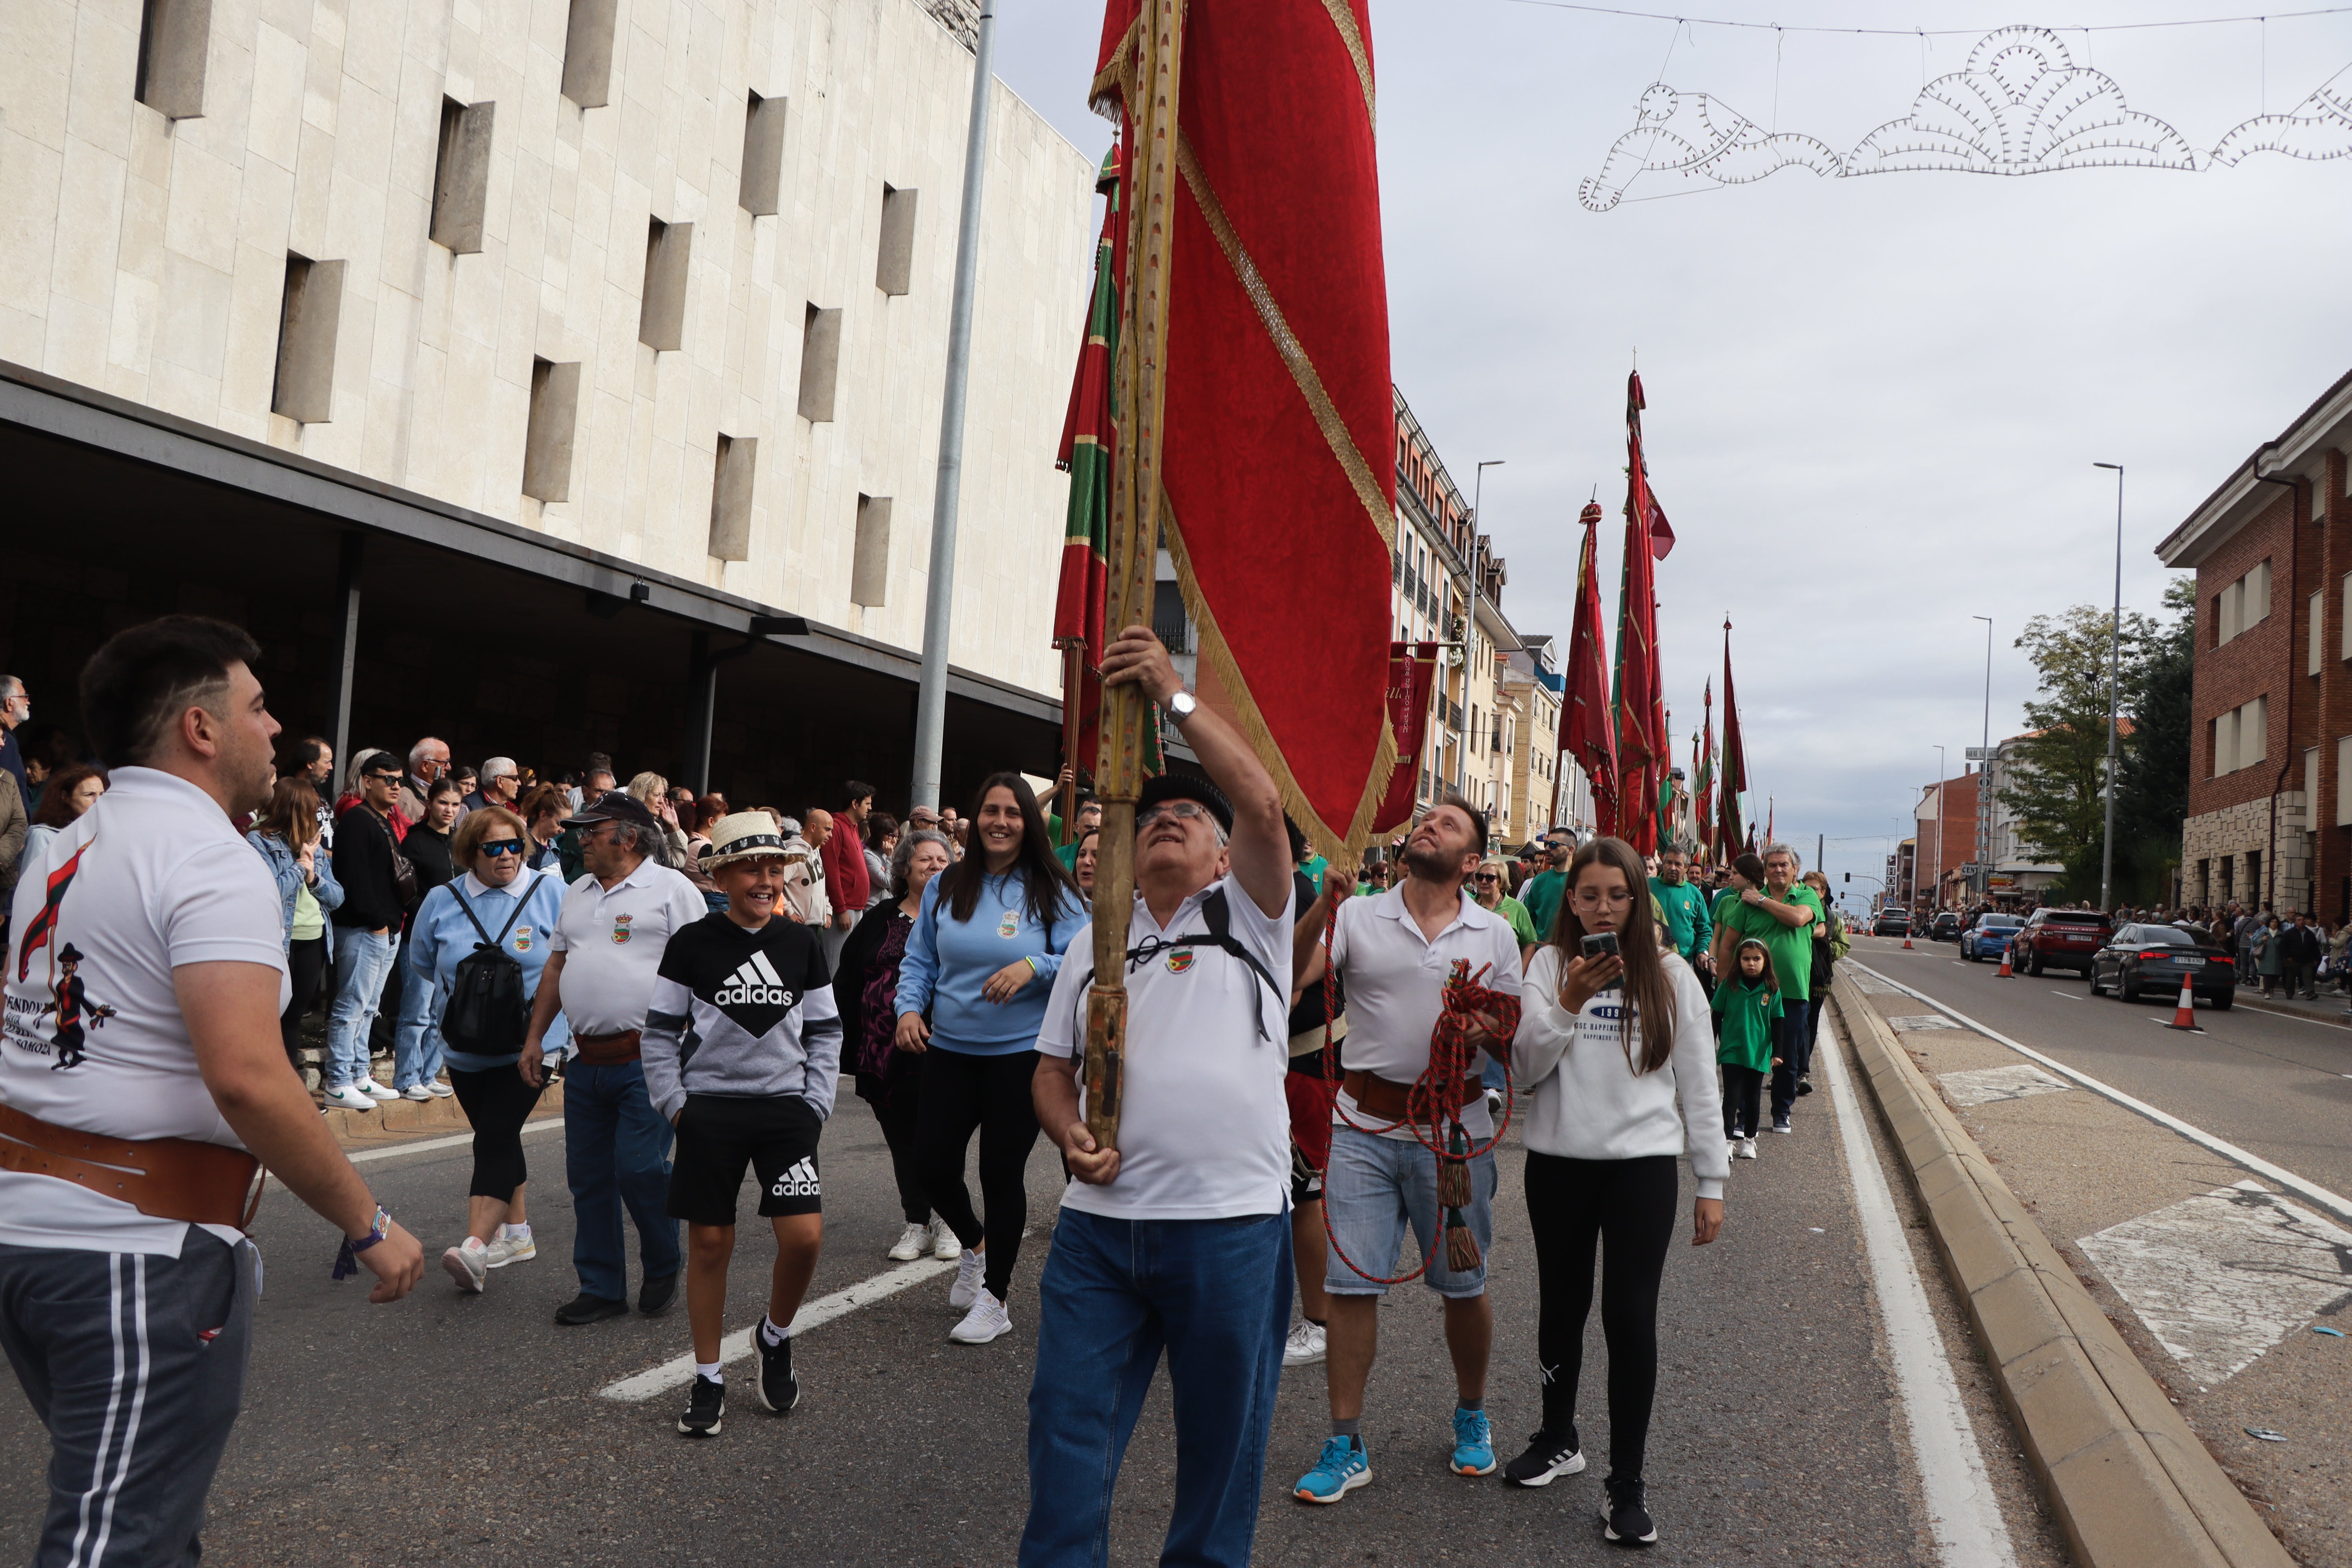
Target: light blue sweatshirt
[(949, 960), (442, 936)]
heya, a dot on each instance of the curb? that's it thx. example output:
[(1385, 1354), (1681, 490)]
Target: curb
[(2129, 1482), (395, 1120)]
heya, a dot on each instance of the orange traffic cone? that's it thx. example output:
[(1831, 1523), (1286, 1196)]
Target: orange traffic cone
[(2185, 1016), (2006, 972), (1906, 938)]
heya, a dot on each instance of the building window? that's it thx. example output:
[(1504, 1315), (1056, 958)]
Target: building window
[(869, 566), (2243, 606), (894, 266), (174, 38), (547, 440), (661, 314), (588, 53), (2239, 738), (308, 317), (762, 191), (461, 175), (1169, 622), (733, 463), (2318, 629), (820, 362)]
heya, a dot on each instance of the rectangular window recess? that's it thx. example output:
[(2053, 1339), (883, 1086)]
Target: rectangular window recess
[(731, 497), (820, 363), (547, 441), (173, 38), (588, 53), (893, 268), (308, 317), (661, 315), (762, 192), (869, 558), (461, 175)]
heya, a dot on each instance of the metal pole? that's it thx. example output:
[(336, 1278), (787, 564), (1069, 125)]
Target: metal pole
[(1942, 767), (938, 600), (2115, 699), (1984, 770)]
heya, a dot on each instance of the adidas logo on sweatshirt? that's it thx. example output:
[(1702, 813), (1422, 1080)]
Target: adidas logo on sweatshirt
[(800, 1181), (755, 983)]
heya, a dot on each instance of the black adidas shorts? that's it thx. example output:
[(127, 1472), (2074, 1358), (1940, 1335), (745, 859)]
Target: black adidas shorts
[(719, 1134)]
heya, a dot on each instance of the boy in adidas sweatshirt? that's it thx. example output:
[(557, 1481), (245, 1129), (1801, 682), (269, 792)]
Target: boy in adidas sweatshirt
[(741, 1050), (1746, 1003)]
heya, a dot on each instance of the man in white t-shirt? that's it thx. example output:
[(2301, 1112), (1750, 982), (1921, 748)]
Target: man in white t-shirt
[(601, 968), (1395, 953), (141, 1076), (1178, 1237)]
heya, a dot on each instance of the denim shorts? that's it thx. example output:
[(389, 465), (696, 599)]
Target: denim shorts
[(1373, 1188)]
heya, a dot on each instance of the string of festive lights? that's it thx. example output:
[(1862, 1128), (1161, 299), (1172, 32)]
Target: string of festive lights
[(1929, 32)]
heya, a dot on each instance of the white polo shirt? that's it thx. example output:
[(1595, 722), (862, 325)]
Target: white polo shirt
[(612, 940), (152, 876), (1203, 1130), (1396, 987)]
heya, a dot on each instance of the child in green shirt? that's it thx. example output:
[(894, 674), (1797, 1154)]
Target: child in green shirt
[(1748, 1001)]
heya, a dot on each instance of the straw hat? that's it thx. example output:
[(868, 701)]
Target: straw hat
[(743, 836)]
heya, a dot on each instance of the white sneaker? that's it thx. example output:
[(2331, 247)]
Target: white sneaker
[(509, 1249), (944, 1245), (987, 1321), (1747, 1150), (970, 1268), (1306, 1345), (469, 1264), (438, 1090), (1731, 1148), (911, 1244), (415, 1092), (375, 1090), (351, 1097)]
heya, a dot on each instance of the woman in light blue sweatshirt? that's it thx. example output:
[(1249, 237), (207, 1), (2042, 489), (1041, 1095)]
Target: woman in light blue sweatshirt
[(980, 964)]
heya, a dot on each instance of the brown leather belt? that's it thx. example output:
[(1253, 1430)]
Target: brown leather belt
[(1390, 1101), (608, 1050), (169, 1178)]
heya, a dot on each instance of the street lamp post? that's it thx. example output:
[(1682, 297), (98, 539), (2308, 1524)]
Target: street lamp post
[(1470, 629), (1942, 767), (1984, 770), (2114, 683)]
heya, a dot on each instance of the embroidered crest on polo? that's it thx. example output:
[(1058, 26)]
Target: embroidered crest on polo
[(1179, 959), (621, 928)]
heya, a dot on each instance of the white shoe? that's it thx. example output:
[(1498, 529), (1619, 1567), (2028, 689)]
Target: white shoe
[(469, 1264), (970, 1268), (1747, 1150), (438, 1090), (1731, 1148), (351, 1097), (375, 1090), (1494, 1102), (415, 1091), (987, 1321), (912, 1243), (509, 1249), (944, 1245), (1306, 1345)]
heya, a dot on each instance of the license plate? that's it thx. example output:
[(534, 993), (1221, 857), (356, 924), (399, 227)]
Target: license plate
[(2189, 963)]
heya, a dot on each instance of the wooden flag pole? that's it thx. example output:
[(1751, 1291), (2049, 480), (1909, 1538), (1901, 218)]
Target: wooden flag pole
[(1134, 541), (1074, 671)]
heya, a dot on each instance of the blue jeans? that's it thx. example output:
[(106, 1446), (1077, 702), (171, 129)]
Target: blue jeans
[(1216, 1295), (416, 1037), (361, 960), (1373, 1188), (616, 1152)]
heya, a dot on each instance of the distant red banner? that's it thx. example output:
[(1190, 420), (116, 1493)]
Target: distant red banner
[(1413, 673)]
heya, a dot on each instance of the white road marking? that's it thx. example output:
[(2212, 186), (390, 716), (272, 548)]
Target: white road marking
[(552, 1123), (1982, 1086), (1962, 1509), (679, 1372), (2300, 1185), (2070, 995), (1920, 1021), (2221, 1278)]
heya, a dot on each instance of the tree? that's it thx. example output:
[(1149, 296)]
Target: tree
[(2055, 789), (2152, 794)]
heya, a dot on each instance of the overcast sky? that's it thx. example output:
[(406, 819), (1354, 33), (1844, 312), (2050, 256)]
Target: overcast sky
[(1874, 404)]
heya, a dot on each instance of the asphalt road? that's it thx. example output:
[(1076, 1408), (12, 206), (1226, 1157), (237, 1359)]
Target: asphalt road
[(2278, 1087), (448, 1428)]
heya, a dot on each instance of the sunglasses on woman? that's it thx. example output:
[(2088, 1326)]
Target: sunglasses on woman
[(502, 846)]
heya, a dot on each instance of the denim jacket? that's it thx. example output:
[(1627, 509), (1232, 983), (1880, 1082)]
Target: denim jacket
[(289, 872)]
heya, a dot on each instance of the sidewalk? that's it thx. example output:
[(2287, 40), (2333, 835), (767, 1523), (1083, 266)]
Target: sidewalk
[(2331, 1007)]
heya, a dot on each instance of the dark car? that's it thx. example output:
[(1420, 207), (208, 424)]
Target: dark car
[(2153, 959), (1988, 936), (1891, 922), (1944, 927), (2059, 939)]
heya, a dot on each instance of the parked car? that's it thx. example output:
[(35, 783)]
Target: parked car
[(2152, 960), (1944, 927), (2059, 939), (1988, 936), (1891, 922)]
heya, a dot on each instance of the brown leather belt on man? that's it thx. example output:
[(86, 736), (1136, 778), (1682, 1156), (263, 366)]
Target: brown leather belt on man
[(607, 1050), (167, 1178), (1390, 1101)]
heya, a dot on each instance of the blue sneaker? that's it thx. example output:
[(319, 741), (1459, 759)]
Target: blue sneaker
[(1346, 1464), (1474, 1444)]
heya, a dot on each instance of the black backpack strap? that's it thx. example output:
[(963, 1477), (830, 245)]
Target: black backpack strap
[(1217, 915), (501, 940)]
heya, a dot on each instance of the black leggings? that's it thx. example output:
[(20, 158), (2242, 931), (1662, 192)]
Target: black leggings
[(306, 966), (1628, 1206), (1743, 1099), (961, 1091), (496, 1101), (898, 1121)]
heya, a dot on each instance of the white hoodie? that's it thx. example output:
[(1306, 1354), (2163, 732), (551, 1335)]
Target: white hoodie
[(1588, 1104)]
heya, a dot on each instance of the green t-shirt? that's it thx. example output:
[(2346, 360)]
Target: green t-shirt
[(1314, 867), (1522, 925), (1067, 854), (1541, 896), (1791, 947), (1748, 1013), (1685, 909)]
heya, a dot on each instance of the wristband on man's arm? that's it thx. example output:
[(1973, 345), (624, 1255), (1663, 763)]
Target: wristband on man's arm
[(347, 1261)]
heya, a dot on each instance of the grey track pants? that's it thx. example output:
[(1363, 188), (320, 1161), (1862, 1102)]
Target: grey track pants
[(112, 1350)]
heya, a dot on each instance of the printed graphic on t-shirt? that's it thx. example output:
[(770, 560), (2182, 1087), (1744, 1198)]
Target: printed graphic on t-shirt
[(1179, 959), (71, 1006), (800, 1181), (74, 1012), (1010, 925), (44, 925), (755, 996)]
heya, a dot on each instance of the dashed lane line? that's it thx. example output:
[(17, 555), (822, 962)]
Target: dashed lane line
[(2311, 1190), (1962, 1512)]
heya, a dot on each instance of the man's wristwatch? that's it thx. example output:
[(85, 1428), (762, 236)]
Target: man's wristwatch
[(1183, 706)]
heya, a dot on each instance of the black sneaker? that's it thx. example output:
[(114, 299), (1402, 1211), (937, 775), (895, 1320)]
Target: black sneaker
[(656, 1297), (585, 1309), (1548, 1458), (1804, 1083), (777, 1388), (702, 1412), (1623, 1520)]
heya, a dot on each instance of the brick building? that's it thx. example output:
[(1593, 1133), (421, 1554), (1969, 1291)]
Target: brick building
[(2270, 787)]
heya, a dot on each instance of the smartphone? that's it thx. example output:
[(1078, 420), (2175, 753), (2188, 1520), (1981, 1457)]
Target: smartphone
[(1602, 942)]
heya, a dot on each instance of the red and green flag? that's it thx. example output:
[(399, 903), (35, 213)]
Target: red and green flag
[(1586, 733), (1731, 838), (1645, 750), (1703, 784)]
